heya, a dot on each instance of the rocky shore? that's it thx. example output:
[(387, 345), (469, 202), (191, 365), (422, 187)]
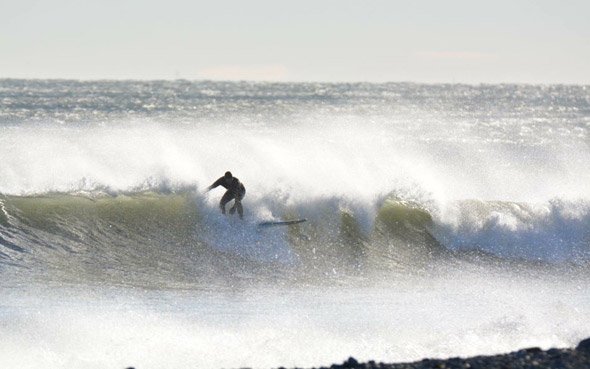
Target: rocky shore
[(530, 358), (578, 358)]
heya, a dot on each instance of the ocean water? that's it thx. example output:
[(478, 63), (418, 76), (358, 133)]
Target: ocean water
[(442, 220)]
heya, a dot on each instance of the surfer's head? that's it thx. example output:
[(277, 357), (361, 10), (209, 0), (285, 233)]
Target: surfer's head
[(228, 175)]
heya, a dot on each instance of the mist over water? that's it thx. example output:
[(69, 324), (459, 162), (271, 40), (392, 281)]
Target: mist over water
[(459, 142), (442, 220)]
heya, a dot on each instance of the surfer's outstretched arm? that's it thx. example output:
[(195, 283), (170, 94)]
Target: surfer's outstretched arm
[(215, 184)]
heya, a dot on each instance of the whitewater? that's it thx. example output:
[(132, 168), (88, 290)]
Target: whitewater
[(442, 220)]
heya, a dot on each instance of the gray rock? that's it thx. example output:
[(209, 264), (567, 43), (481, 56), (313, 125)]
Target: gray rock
[(350, 363), (533, 350), (584, 346)]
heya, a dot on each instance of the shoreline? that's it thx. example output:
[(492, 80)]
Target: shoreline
[(533, 357)]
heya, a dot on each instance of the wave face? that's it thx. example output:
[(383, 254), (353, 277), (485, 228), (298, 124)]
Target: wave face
[(455, 209), (179, 239)]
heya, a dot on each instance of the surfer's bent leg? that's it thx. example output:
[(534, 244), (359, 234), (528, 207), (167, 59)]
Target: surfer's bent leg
[(238, 204), (227, 197)]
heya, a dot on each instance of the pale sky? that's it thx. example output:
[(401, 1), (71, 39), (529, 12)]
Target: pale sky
[(488, 41)]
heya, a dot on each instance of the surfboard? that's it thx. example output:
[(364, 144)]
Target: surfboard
[(281, 223)]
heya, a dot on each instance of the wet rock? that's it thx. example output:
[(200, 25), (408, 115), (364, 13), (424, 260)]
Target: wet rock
[(584, 346), (350, 363), (533, 350)]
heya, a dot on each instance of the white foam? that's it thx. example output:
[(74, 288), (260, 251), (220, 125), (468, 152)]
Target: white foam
[(267, 328), (319, 157), (554, 231)]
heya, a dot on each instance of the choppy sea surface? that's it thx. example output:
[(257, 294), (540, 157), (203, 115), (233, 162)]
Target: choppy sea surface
[(442, 220)]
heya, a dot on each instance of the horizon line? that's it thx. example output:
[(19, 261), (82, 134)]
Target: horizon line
[(287, 81)]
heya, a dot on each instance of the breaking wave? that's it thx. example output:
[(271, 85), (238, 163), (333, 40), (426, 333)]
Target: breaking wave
[(180, 238), (103, 181)]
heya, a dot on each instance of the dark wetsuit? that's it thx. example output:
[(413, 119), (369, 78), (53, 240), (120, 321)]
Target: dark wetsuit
[(235, 191)]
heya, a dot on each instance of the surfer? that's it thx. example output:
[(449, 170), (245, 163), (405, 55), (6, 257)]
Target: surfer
[(235, 191)]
